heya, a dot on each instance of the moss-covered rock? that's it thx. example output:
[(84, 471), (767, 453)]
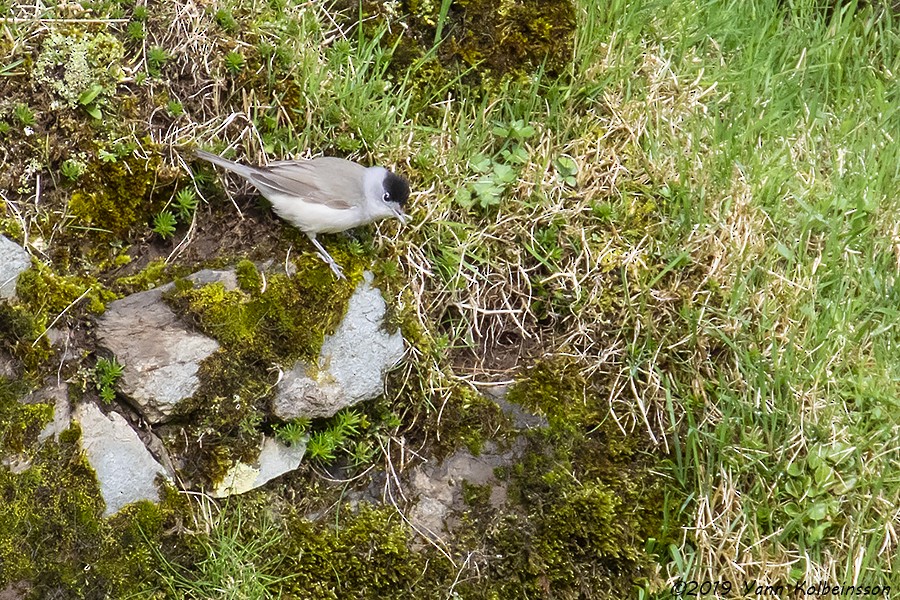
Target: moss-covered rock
[(584, 500), (488, 41), (53, 536), (269, 322)]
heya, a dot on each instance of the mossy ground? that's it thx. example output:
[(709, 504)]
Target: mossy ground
[(270, 322), (682, 212), (54, 510)]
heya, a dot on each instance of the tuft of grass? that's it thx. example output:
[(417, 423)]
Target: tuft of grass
[(24, 115)]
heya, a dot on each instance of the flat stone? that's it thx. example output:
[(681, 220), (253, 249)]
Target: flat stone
[(160, 354), (125, 469), (438, 486), (57, 394), (13, 261), (275, 459), (351, 365)]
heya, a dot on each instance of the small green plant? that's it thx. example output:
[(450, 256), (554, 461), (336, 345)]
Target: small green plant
[(488, 189), (322, 446), (175, 108), (249, 425), (157, 58), (107, 156), (566, 170), (293, 432), (389, 268), (135, 30), (106, 373), (24, 115), (226, 20), (88, 100), (234, 62), (185, 204), (514, 130), (338, 436), (362, 452), (72, 169), (140, 13), (164, 224), (498, 172)]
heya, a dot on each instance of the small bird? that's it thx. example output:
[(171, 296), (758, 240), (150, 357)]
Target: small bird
[(324, 195)]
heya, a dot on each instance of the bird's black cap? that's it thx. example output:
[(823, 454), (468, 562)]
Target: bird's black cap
[(396, 188)]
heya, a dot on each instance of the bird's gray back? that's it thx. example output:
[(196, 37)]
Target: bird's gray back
[(333, 182)]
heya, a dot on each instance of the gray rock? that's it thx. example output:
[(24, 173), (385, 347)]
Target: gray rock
[(125, 469), (8, 365), (161, 355), (275, 459), (351, 365), (521, 418), (438, 486), (56, 393), (13, 261)]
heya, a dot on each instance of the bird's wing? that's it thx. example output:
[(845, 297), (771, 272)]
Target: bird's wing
[(332, 182)]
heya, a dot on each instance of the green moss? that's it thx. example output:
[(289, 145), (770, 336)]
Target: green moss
[(19, 423), (509, 40), (281, 322), (116, 196), (248, 277), (519, 35), (154, 274), (21, 335), (259, 326), (585, 500), (45, 292), (52, 533), (370, 549)]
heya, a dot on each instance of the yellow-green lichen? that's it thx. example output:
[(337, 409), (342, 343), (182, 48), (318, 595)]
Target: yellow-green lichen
[(80, 67)]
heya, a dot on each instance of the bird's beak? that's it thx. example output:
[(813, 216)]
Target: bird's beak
[(401, 216)]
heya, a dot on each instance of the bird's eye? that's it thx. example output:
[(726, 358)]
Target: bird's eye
[(386, 197)]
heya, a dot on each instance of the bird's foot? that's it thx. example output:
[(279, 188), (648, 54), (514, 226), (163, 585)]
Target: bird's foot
[(334, 266), (323, 254)]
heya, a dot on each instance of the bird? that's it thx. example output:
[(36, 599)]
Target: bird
[(324, 195)]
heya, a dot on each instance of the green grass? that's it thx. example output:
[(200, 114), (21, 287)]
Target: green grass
[(701, 215)]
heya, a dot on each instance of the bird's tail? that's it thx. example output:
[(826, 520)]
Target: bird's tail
[(228, 165)]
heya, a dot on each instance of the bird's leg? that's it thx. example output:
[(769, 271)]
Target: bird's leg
[(325, 256)]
